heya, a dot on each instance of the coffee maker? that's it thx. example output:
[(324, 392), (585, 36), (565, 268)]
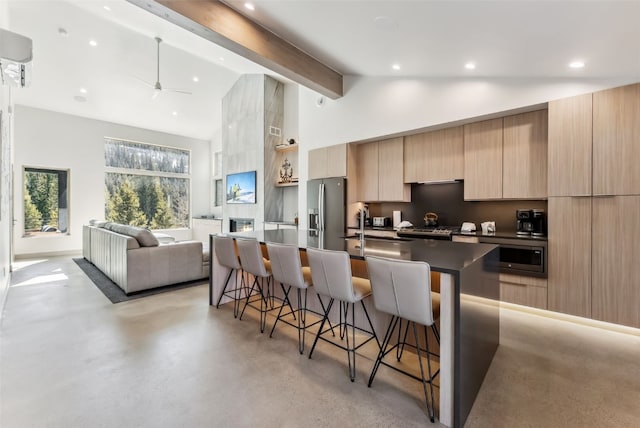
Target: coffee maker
[(539, 222), (524, 222)]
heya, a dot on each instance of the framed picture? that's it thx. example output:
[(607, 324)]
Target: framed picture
[(241, 188)]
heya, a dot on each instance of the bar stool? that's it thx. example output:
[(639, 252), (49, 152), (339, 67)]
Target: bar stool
[(288, 271), (403, 289), (254, 264), (332, 277), (228, 258)]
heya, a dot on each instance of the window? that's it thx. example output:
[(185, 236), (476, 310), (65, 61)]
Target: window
[(146, 185), (46, 201)]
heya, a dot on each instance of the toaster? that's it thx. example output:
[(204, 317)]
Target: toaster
[(381, 222)]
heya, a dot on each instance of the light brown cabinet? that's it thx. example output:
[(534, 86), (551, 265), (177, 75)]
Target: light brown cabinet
[(569, 246), (483, 160), (523, 290), (570, 146), (380, 172), (524, 170), (434, 156), (615, 255), (367, 164), (616, 141), (328, 162)]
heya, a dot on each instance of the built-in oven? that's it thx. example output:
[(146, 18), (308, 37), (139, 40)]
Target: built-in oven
[(521, 256)]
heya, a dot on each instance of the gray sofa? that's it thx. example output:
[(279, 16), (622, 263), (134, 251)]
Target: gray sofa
[(133, 258)]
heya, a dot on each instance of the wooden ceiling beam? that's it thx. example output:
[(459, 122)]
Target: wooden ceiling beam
[(224, 26)]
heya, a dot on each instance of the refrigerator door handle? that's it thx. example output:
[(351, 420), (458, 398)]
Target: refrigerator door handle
[(321, 206)]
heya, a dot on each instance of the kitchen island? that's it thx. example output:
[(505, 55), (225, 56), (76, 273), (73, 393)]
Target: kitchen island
[(469, 299)]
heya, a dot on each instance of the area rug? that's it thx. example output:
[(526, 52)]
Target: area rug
[(115, 293)]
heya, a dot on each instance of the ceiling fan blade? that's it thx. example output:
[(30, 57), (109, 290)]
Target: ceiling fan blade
[(156, 92), (180, 91), (144, 82)]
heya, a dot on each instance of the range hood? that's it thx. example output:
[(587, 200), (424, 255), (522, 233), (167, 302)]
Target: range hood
[(16, 53)]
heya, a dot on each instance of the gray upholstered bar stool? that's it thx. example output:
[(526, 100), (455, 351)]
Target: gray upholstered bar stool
[(227, 257), (332, 277), (402, 289), (254, 264), (288, 271)]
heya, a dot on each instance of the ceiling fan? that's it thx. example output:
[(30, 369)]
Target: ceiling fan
[(157, 87)]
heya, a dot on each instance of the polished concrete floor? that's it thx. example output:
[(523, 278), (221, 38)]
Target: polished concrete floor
[(69, 358)]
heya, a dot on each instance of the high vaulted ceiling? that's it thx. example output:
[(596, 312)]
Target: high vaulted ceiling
[(504, 39)]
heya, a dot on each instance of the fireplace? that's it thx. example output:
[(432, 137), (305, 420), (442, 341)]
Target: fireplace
[(240, 224)]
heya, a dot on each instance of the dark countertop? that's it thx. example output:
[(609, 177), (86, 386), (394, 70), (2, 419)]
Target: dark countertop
[(502, 235), (389, 228), (442, 256)]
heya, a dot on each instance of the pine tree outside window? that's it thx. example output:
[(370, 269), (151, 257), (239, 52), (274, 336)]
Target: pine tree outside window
[(147, 185), (46, 201)]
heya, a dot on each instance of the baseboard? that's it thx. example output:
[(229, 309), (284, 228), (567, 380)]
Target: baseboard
[(48, 254)]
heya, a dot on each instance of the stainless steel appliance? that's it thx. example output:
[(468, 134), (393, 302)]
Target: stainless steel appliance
[(539, 222), (440, 232), (381, 221), (521, 256), (326, 202), (524, 222)]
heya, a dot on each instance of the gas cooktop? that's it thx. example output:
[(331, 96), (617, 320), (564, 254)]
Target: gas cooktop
[(440, 232)]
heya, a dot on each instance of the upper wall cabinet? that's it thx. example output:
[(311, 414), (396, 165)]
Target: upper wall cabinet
[(524, 170), (434, 156), (616, 141), (570, 146), (380, 172), (483, 160), (328, 162)]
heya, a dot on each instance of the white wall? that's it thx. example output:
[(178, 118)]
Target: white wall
[(60, 141), (377, 107)]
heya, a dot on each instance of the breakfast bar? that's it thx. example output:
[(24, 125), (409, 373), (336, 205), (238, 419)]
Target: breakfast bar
[(469, 295)]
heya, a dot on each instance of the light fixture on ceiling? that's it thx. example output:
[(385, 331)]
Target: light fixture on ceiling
[(576, 64), (196, 79), (470, 66), (249, 6), (221, 59), (107, 8), (63, 32), (83, 91), (175, 113), (396, 67), (93, 43)]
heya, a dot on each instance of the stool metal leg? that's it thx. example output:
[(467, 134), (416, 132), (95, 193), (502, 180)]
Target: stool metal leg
[(430, 411), (400, 348), (383, 348), (325, 318), (351, 352)]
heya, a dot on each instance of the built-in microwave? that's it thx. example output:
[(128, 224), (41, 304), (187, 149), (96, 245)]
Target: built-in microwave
[(521, 256)]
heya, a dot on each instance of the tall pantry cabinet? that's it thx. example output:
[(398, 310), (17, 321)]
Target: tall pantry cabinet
[(594, 198)]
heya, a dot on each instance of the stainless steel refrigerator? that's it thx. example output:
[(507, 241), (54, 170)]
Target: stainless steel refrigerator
[(326, 204)]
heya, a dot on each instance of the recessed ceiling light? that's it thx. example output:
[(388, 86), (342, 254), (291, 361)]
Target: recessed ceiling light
[(470, 66), (175, 113), (62, 32), (107, 8), (576, 64), (221, 59), (195, 79), (396, 66), (249, 6), (93, 43), (83, 91)]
